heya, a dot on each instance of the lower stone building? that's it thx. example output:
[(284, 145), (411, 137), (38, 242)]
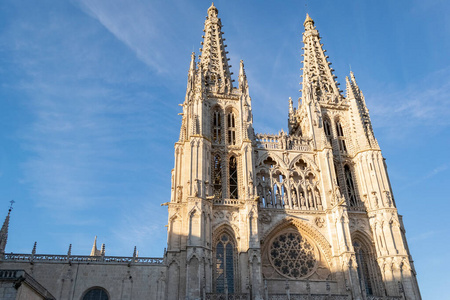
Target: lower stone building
[(303, 214)]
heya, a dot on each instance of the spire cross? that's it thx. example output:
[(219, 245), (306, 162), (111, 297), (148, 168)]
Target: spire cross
[(11, 206)]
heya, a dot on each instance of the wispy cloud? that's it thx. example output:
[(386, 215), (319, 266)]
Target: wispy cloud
[(421, 104)]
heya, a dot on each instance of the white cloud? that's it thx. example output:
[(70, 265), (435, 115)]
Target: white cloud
[(421, 105)]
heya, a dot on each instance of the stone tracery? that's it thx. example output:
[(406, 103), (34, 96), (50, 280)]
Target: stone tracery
[(293, 188)]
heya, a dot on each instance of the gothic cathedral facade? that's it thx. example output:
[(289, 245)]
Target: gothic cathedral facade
[(308, 211), (303, 214)]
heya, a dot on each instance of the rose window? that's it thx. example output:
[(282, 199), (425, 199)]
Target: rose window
[(292, 255)]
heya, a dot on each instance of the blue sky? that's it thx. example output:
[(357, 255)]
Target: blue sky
[(89, 94)]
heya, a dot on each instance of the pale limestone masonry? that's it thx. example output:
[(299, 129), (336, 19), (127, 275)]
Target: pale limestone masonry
[(303, 214)]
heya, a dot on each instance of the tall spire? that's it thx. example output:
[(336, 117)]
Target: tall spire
[(358, 107), (95, 251), (213, 59), (4, 231), (316, 68)]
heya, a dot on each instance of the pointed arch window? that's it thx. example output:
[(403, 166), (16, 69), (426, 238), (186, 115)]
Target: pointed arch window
[(350, 185), (231, 129), (368, 270), (327, 129), (341, 138), (225, 260), (217, 176), (217, 127), (233, 173)]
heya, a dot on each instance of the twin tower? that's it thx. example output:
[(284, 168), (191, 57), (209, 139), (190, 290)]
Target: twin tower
[(303, 214)]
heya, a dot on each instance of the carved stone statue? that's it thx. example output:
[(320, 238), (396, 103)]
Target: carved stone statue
[(302, 201), (179, 193), (196, 188), (375, 199), (317, 195), (388, 199), (294, 198), (278, 197)]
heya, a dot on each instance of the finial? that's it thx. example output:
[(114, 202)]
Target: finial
[(134, 252), (291, 106), (33, 252), (308, 21), (212, 9), (103, 250), (192, 66), (241, 68), (69, 252)]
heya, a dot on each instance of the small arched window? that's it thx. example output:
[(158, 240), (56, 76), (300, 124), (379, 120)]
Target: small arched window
[(96, 294), (217, 176), (233, 178), (327, 128), (341, 138), (217, 127), (225, 264), (350, 185), (231, 129)]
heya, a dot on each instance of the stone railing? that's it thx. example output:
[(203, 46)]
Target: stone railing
[(82, 259), (236, 296), (383, 297), (219, 201), (307, 297), (281, 141)]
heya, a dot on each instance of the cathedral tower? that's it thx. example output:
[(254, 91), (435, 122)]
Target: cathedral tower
[(213, 244), (299, 213)]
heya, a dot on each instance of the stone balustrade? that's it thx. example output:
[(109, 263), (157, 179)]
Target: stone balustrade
[(281, 141), (82, 259)]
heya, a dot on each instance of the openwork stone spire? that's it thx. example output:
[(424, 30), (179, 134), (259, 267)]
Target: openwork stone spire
[(355, 98), (317, 74), (4, 233), (213, 59)]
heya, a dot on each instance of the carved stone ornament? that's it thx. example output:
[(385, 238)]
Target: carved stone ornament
[(320, 222), (265, 218)]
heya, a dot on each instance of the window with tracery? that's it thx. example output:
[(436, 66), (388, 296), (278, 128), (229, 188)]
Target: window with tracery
[(217, 176), (217, 127), (231, 128), (292, 255), (224, 278), (368, 271), (350, 186), (296, 189), (341, 139), (96, 294), (233, 178), (327, 129)]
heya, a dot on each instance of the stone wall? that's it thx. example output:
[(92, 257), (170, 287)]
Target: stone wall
[(66, 280)]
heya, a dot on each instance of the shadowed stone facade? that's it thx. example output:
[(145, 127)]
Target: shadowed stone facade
[(303, 214)]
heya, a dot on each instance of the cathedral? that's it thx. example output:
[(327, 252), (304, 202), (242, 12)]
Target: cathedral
[(304, 214)]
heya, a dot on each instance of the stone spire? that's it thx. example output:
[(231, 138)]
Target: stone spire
[(213, 59), (316, 68), (95, 251), (4, 233), (360, 112)]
